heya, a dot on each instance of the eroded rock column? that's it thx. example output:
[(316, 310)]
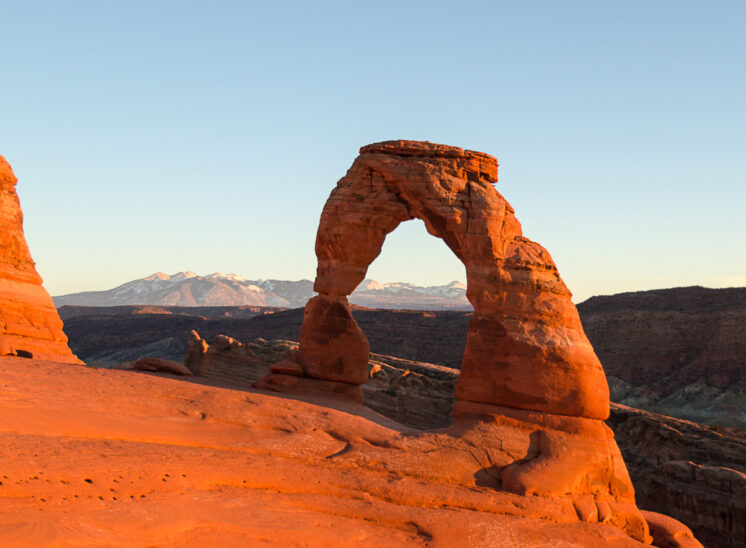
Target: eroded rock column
[(332, 346), (29, 323), (356, 218)]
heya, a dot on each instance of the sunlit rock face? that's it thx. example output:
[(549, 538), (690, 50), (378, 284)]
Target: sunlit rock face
[(526, 348), (29, 323), (528, 375)]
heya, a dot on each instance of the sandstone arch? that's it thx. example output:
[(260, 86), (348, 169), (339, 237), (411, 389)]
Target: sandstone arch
[(525, 348)]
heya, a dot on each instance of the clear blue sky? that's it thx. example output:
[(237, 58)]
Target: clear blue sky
[(206, 136)]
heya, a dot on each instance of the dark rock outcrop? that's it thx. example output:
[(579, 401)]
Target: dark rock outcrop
[(679, 352), (105, 336), (162, 366), (232, 362), (689, 471)]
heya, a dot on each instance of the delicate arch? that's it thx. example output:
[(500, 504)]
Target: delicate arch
[(525, 347)]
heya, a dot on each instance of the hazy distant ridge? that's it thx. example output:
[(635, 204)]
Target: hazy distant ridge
[(218, 289)]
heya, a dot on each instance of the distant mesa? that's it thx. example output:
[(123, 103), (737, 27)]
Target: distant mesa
[(218, 289), (679, 352), (29, 324)]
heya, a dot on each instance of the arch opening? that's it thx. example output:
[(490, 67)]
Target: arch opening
[(414, 271), (409, 327)]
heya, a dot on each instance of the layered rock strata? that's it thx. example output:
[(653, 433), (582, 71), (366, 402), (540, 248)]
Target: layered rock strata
[(679, 352), (29, 323), (689, 471)]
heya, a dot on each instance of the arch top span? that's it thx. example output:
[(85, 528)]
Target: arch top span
[(525, 347), (480, 163)]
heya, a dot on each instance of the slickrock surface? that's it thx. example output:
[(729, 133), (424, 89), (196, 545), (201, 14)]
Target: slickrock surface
[(412, 393), (421, 395), (525, 348), (421, 399), (97, 457), (29, 323)]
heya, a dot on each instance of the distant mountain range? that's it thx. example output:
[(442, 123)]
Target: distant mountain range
[(218, 289)]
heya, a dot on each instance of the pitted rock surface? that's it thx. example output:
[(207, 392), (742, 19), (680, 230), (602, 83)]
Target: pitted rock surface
[(525, 348), (29, 323)]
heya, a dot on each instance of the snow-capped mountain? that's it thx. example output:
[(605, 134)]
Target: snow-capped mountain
[(405, 295), (218, 289), (189, 289)]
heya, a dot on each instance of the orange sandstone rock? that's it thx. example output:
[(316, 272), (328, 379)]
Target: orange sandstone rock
[(29, 323), (100, 457), (670, 533), (525, 349), (332, 346), (530, 382)]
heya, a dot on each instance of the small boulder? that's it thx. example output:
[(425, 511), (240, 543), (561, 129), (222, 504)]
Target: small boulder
[(287, 368), (162, 366), (668, 532)]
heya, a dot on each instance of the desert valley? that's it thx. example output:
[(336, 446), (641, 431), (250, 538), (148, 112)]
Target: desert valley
[(215, 411)]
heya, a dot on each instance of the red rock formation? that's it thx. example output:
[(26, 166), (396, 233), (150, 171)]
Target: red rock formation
[(528, 369), (525, 348), (670, 533), (332, 345), (29, 323)]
